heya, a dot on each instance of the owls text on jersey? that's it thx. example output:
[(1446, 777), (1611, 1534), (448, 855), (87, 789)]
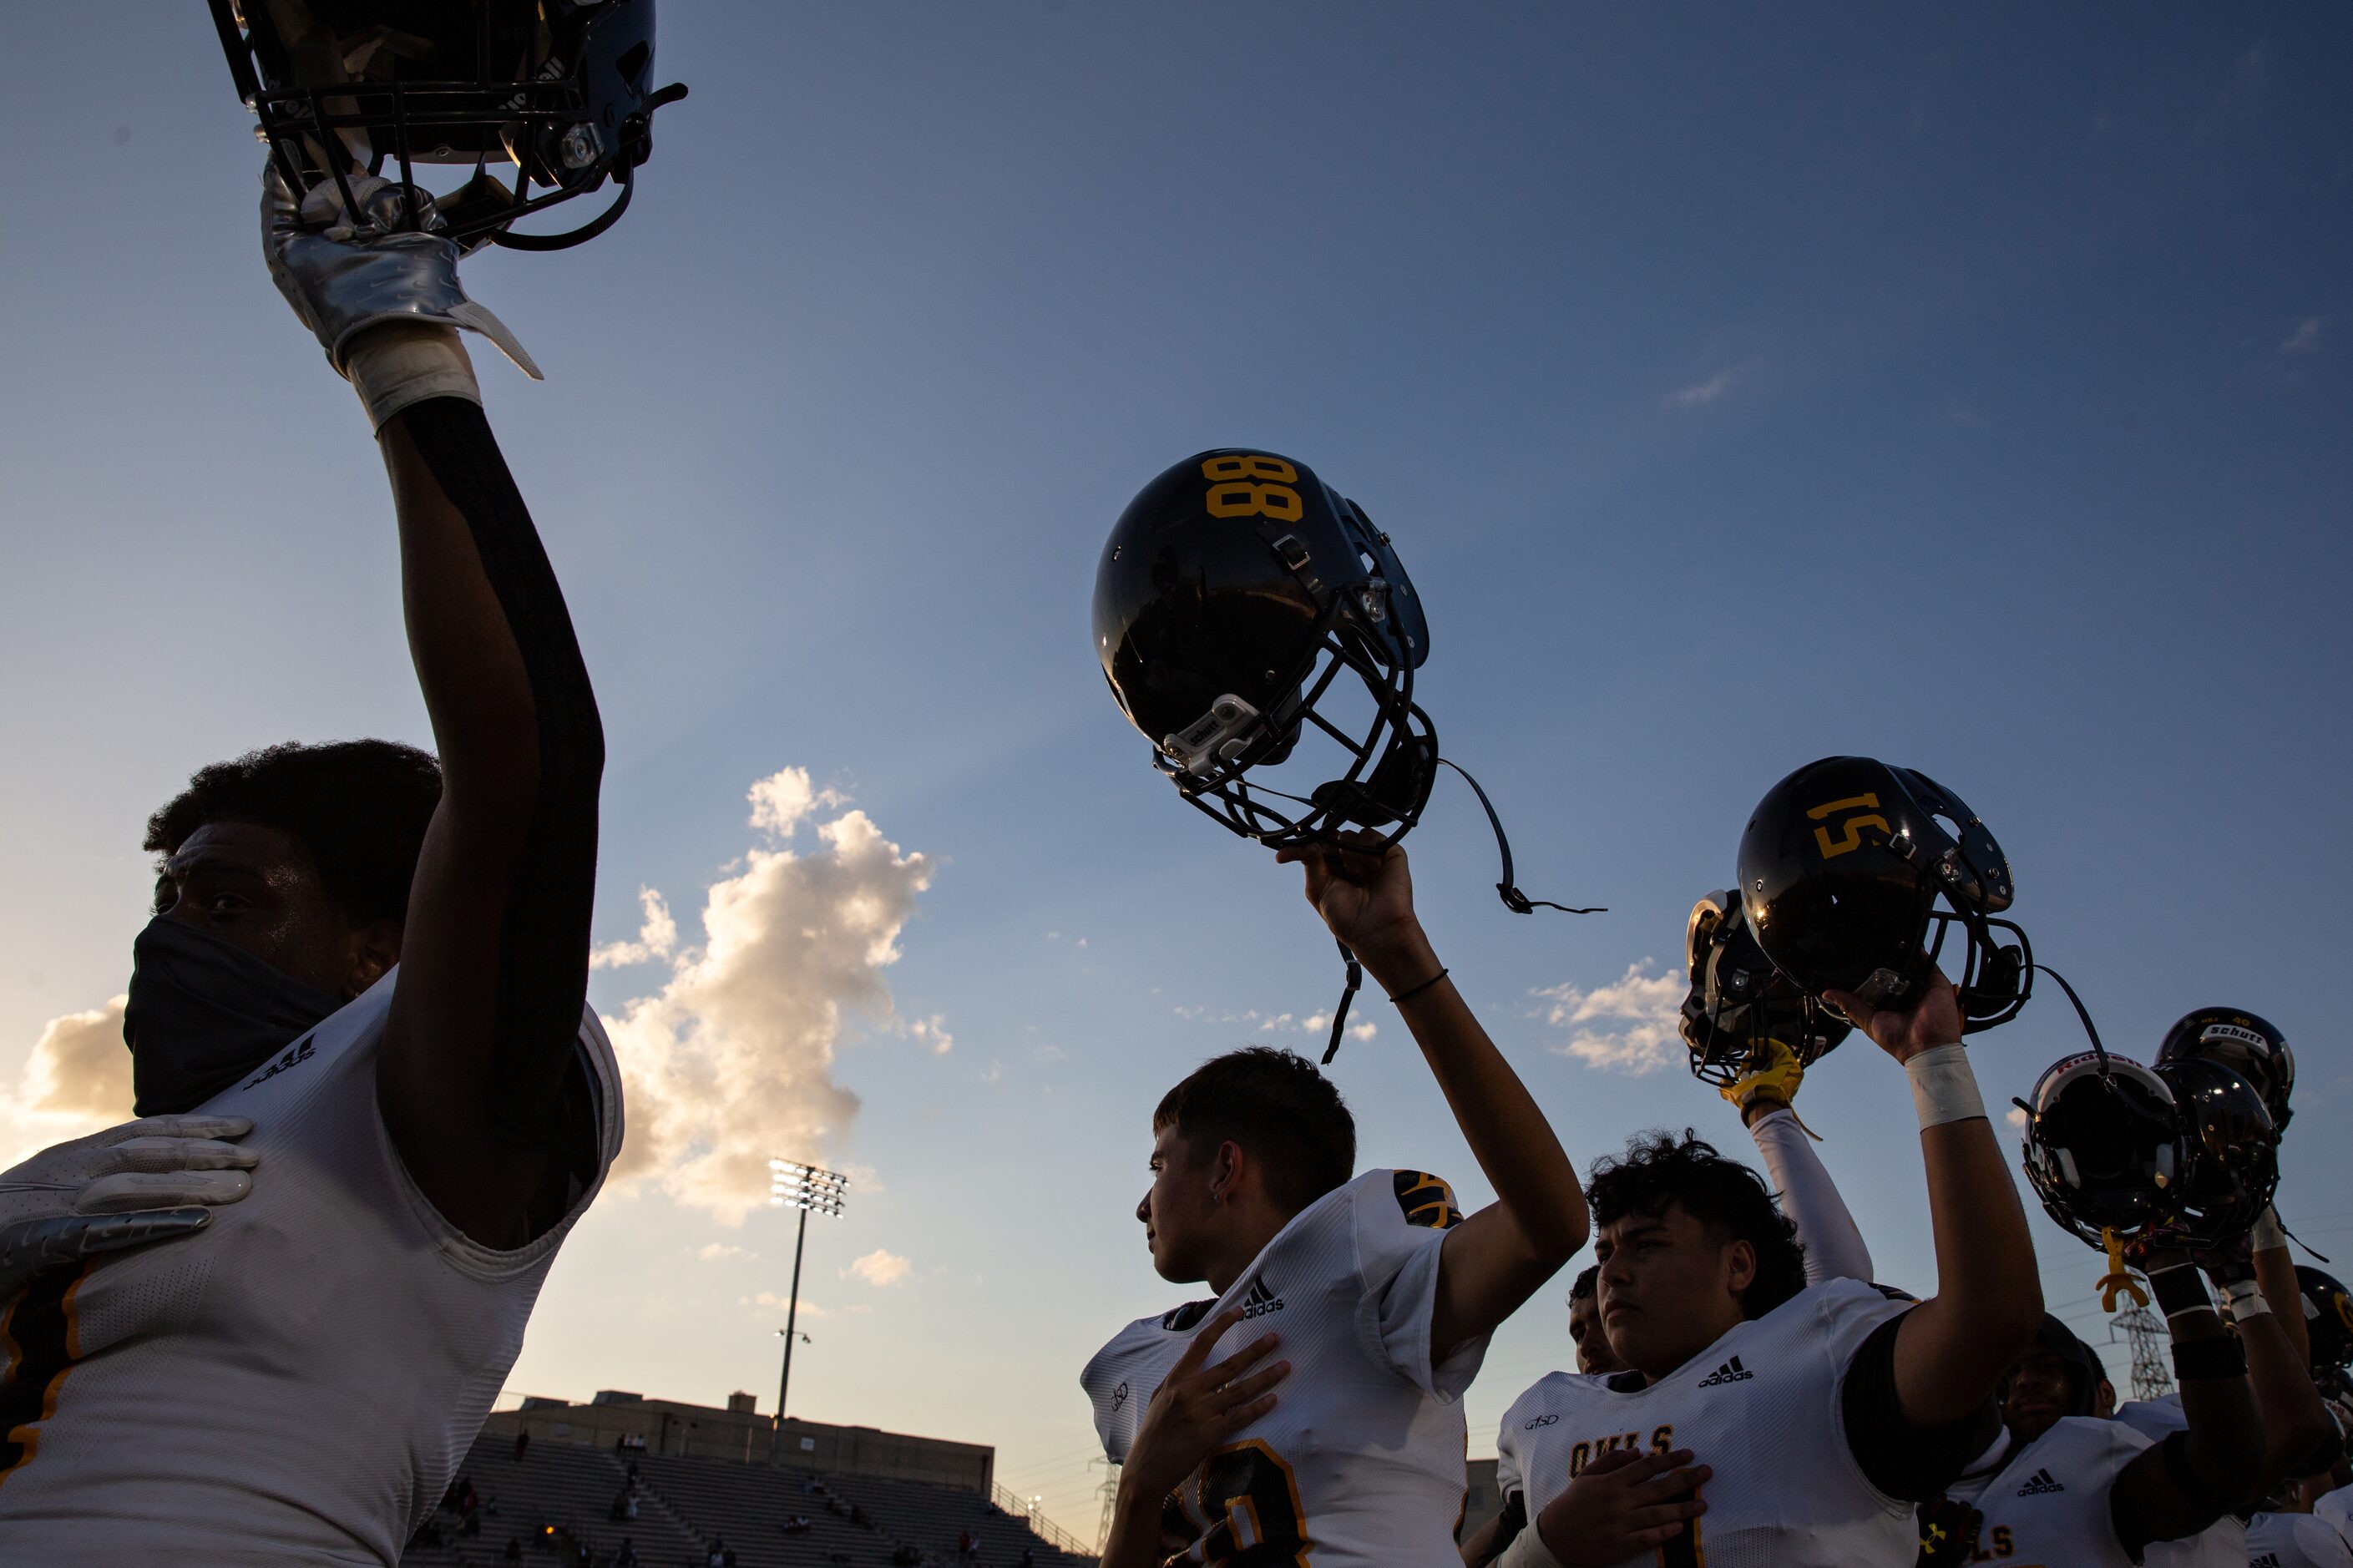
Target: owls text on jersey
[(1360, 1462), (2295, 1540), (201, 1393), (1767, 1390)]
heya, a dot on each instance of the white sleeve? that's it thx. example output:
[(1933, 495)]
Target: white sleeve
[(1834, 1248), (1397, 1270), (1507, 1464)]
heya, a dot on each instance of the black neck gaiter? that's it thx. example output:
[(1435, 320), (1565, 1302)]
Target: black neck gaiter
[(203, 1013)]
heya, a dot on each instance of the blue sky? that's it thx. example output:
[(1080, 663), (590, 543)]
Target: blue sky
[(1966, 390)]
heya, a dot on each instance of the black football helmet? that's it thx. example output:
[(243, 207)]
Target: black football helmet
[(2249, 1046), (1237, 592), (1841, 870), (2328, 1319), (563, 89), (2231, 1149), (1738, 1001), (2103, 1147)]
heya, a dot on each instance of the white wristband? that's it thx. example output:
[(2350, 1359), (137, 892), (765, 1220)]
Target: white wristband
[(2267, 1234), (1943, 1088), (2245, 1298), (1527, 1549), (401, 362)]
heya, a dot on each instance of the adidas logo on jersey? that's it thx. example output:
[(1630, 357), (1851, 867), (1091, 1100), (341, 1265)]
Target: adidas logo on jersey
[(1260, 1300), (2268, 1560), (2039, 1484), (1730, 1372), (1118, 1394)]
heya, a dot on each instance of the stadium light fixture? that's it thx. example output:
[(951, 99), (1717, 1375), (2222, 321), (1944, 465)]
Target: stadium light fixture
[(812, 1189)]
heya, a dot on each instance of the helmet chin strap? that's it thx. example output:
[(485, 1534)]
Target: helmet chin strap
[(1508, 890), (1516, 901)]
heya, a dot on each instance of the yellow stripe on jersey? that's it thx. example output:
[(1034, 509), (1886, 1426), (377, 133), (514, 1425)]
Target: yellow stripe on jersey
[(40, 1334), (1684, 1551), (1427, 1200)]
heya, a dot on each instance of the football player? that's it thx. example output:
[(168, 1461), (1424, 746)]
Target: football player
[(1766, 1100), (1736, 1362), (2063, 1485), (378, 965), (1368, 1300)]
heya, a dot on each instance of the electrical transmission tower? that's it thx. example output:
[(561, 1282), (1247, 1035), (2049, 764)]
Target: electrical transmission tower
[(2144, 1331), (1110, 1498)]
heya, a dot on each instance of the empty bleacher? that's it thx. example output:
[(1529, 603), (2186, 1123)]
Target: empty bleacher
[(689, 1505), (555, 1485)]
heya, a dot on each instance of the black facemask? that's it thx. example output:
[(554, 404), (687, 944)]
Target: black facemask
[(203, 1013)]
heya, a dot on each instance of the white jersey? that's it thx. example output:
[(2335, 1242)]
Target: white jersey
[(1361, 1461), (2048, 1502), (2295, 1540), (294, 1382), (2155, 1419), (2336, 1509), (1762, 1406)]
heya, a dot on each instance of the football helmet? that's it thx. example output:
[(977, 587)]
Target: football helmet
[(2249, 1046), (563, 89), (1738, 1001), (2103, 1146), (1238, 598), (2232, 1152), (1841, 867), (2328, 1318)]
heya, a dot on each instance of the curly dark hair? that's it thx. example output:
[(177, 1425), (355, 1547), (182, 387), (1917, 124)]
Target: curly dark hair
[(1287, 1115), (1587, 1283), (358, 808), (1659, 1168)]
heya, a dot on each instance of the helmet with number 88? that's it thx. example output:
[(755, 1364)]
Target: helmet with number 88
[(1241, 602)]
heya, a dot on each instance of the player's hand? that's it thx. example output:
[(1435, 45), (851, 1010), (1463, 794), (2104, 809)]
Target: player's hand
[(1366, 897), (1195, 1408), (1933, 1020), (144, 1181), (1623, 1505), (345, 272)]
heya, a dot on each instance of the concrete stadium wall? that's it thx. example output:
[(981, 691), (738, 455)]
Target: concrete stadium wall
[(670, 1427)]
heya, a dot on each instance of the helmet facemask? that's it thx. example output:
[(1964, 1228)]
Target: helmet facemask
[(558, 89)]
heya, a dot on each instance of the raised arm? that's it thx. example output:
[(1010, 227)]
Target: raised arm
[(1499, 1256), (1953, 1348), (479, 1077), (1833, 1242), (2193, 1478)]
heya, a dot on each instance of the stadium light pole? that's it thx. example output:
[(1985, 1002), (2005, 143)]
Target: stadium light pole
[(796, 1185)]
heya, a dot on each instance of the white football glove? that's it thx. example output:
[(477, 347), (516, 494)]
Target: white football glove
[(346, 274), (144, 1181)]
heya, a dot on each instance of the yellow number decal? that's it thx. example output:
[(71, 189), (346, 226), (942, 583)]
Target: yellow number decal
[(1853, 826), (1251, 467), (1239, 500)]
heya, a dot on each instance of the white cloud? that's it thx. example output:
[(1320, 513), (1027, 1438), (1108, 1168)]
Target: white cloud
[(2305, 340), (1364, 1031), (878, 1267), (657, 937), (934, 1032), (720, 1252), (1700, 393), (77, 1080), (729, 1063), (2017, 1117), (1626, 1026)]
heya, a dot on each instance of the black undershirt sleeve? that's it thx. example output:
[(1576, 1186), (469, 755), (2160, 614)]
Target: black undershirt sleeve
[(1911, 1463), (541, 1098), (1513, 1520)]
